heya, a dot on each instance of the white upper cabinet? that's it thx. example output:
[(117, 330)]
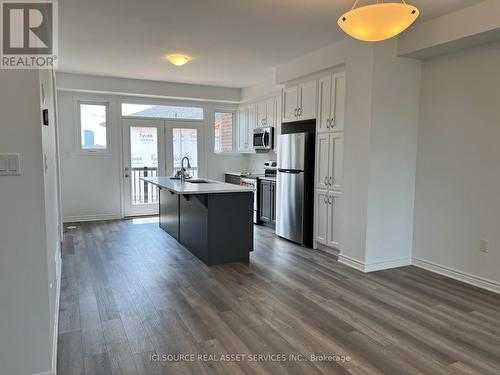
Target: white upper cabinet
[(299, 101), (261, 114), (324, 103), (272, 112), (243, 140), (290, 103), (338, 103), (255, 115), (331, 103), (267, 114), (307, 100), (252, 120)]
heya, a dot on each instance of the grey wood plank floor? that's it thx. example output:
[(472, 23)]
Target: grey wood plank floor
[(130, 292)]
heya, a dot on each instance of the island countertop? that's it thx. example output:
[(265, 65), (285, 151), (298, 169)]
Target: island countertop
[(211, 187)]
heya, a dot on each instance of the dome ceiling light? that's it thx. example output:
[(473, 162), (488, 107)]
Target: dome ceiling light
[(178, 59), (377, 22)]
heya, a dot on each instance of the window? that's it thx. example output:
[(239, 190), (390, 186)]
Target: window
[(185, 143), (162, 111), (223, 128), (93, 126)]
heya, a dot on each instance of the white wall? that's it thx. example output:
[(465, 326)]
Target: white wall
[(90, 182), (458, 175), (145, 88), (91, 187), (51, 202), (263, 89), (473, 25), (393, 152), (28, 212)]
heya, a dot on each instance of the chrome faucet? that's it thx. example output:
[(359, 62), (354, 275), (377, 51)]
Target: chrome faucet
[(184, 174)]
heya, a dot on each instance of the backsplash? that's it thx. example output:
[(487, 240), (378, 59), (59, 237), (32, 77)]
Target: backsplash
[(256, 161)]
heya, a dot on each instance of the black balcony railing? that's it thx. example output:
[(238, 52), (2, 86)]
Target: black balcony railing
[(143, 192)]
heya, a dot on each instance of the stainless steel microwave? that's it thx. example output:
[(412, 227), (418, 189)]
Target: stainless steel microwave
[(263, 139)]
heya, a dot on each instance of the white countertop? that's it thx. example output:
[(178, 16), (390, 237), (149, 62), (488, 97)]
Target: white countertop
[(212, 186)]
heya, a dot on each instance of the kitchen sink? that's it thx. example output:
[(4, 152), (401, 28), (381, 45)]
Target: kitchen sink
[(198, 181)]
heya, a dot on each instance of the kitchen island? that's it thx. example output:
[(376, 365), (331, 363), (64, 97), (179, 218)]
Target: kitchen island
[(211, 219)]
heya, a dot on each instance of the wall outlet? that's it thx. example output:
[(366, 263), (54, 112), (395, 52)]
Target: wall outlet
[(484, 246)]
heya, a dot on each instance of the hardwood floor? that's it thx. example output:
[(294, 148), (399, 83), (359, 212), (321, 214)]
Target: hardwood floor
[(130, 292)]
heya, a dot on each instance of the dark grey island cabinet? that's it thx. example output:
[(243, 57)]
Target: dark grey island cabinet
[(214, 221)]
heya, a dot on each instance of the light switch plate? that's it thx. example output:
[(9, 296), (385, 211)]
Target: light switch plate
[(10, 165), (4, 164)]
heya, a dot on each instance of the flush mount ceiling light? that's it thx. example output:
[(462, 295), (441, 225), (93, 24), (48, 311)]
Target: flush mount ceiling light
[(178, 59), (376, 22)]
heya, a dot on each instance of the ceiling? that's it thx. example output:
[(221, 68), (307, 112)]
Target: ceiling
[(234, 43)]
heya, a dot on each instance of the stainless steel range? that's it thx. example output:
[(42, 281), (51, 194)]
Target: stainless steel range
[(252, 181)]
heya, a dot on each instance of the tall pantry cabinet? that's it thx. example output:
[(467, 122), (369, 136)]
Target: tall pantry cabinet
[(329, 158)]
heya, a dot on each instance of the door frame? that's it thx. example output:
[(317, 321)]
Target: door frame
[(185, 124), (164, 156), (159, 124)]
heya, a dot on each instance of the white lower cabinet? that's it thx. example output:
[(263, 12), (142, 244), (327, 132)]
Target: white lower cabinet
[(327, 221), (334, 201), (321, 219)]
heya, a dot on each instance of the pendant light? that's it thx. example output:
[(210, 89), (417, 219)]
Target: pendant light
[(380, 21)]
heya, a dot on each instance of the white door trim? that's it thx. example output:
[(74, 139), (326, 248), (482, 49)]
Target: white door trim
[(139, 210)]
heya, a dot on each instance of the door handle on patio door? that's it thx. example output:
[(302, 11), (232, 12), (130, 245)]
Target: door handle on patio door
[(126, 175)]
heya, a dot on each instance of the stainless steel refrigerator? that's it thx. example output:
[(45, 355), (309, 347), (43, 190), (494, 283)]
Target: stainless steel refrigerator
[(294, 187)]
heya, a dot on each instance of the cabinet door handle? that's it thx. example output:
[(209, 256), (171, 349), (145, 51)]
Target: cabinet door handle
[(330, 200), (333, 123), (326, 180), (326, 200), (300, 112), (328, 123), (331, 180)]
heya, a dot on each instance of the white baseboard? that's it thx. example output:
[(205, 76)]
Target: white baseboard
[(76, 219), (351, 262), (372, 267), (45, 373), (455, 274), (387, 264), (326, 249)]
